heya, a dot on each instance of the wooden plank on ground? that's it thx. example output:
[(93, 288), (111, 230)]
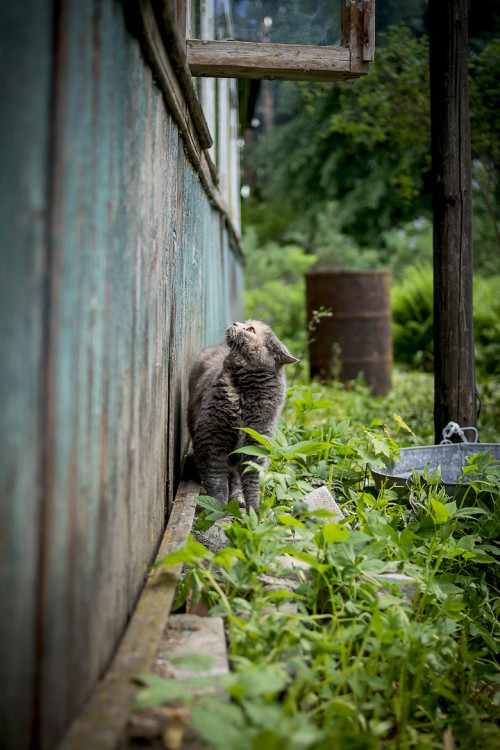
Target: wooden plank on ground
[(169, 726), (104, 717)]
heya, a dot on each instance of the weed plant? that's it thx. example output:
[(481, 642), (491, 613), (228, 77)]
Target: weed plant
[(343, 658)]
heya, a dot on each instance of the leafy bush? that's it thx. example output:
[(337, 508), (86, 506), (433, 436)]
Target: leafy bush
[(487, 324), (412, 318), (359, 662), (412, 310), (275, 288)]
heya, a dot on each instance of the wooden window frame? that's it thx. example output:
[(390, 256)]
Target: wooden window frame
[(161, 25), (297, 62)]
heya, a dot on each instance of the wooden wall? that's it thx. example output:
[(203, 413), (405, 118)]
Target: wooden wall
[(115, 269)]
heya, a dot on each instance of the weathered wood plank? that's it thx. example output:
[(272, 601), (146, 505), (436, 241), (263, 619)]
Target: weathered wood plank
[(105, 238), (454, 363), (104, 716), (25, 85), (358, 29), (169, 725), (183, 114), (172, 26), (271, 61)]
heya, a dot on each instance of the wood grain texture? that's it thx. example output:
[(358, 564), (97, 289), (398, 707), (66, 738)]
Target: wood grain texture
[(24, 163), (454, 364), (106, 712), (358, 29), (271, 61), (117, 267)]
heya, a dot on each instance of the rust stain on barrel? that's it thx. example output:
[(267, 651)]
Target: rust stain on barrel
[(359, 329)]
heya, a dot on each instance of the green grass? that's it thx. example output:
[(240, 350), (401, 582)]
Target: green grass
[(357, 665)]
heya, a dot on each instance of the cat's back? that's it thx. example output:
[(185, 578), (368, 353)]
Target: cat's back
[(205, 370)]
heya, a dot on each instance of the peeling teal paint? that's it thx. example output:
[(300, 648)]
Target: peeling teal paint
[(116, 270)]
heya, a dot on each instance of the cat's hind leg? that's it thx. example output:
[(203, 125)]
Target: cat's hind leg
[(235, 489), (213, 475), (250, 484)]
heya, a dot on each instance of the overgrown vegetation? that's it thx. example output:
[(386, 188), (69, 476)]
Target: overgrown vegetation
[(358, 663), (344, 659)]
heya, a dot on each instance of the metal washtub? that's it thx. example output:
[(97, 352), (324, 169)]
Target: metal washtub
[(451, 458)]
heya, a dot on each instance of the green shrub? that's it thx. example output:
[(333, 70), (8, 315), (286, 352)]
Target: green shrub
[(412, 328), (487, 324), (275, 288), (413, 322)]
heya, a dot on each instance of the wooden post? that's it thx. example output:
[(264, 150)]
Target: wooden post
[(454, 366)]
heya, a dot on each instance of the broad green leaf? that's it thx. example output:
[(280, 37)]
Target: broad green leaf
[(160, 690), (233, 508), (287, 520), (400, 425), (220, 723), (264, 440), (210, 503), (381, 446), (304, 448), (334, 532), (303, 556), (188, 554), (253, 450), (224, 556), (438, 510), (258, 682)]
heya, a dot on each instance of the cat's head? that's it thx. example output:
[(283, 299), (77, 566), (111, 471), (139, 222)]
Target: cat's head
[(254, 342)]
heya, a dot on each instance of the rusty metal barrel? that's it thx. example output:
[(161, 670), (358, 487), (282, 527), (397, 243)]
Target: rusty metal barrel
[(357, 337)]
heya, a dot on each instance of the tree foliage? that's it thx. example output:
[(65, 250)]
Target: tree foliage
[(365, 145)]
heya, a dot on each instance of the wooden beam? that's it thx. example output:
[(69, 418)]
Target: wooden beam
[(175, 45), (358, 29), (292, 62), (454, 364)]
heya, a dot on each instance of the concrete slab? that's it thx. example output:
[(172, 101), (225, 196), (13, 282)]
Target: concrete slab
[(322, 499)]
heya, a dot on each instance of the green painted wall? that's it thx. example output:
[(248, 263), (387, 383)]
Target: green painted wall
[(115, 270)]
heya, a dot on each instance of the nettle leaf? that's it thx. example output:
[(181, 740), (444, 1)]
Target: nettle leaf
[(287, 520), (443, 589), (253, 450), (280, 436), (438, 511), (400, 425), (210, 503), (220, 723), (279, 594), (381, 446), (233, 508), (322, 513), (225, 556), (334, 532), (306, 557), (265, 440), (435, 477), (304, 448), (190, 553), (160, 690), (255, 683)]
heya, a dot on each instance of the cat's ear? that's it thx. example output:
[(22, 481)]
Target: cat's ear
[(283, 356)]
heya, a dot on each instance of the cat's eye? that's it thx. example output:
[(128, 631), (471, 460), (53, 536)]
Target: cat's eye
[(250, 329)]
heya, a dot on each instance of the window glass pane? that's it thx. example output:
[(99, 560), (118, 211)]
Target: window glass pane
[(282, 21)]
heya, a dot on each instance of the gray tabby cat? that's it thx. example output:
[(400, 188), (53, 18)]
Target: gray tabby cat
[(237, 384)]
